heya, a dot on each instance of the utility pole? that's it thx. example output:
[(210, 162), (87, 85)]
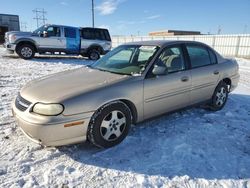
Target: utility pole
[(40, 17), (93, 14)]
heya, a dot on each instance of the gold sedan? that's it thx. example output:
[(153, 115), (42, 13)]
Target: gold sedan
[(130, 84)]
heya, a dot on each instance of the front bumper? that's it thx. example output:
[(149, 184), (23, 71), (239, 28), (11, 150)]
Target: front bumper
[(56, 134), (10, 46)]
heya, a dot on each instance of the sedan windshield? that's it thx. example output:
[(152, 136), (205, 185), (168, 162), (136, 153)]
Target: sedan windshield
[(127, 59)]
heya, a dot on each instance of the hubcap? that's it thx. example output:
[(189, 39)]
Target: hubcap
[(221, 96), (94, 55), (113, 125), (26, 52)]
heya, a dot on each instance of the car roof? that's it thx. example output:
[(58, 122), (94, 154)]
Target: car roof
[(161, 43), (56, 25), (96, 28)]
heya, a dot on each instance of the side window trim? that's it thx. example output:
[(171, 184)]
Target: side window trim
[(61, 32), (211, 52), (186, 57)]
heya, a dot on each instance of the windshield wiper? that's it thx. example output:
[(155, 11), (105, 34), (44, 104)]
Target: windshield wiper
[(103, 70), (118, 73)]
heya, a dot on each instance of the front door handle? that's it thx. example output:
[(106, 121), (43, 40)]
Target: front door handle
[(216, 72), (184, 79)]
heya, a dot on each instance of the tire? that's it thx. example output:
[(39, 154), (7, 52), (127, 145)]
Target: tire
[(94, 54), (109, 125), (26, 51), (220, 96)]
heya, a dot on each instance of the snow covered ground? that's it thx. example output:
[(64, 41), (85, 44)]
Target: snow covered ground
[(190, 148)]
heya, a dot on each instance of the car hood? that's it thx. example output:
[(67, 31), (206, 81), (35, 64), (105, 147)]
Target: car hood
[(63, 85), (19, 33)]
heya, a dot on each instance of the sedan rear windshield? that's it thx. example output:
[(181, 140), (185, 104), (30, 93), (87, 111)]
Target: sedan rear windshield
[(127, 59)]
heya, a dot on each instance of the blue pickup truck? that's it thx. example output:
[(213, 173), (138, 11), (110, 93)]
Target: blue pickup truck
[(59, 39)]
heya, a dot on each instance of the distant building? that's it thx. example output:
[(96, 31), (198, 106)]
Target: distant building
[(173, 32), (8, 23)]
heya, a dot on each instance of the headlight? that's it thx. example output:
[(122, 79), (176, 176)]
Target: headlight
[(48, 109), (12, 38)]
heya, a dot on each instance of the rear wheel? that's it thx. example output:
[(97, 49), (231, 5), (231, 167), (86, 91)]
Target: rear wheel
[(26, 51), (220, 96), (110, 125), (94, 54)]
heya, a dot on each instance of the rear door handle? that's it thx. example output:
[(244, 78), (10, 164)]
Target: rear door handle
[(184, 79), (216, 72)]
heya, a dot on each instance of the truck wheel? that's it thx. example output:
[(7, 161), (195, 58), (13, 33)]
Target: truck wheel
[(219, 98), (26, 51), (93, 54), (109, 125)]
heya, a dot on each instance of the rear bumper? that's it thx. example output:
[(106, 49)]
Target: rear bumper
[(56, 134), (85, 52), (105, 52), (234, 82)]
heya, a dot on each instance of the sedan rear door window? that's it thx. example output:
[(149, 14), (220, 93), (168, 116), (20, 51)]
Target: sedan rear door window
[(198, 55)]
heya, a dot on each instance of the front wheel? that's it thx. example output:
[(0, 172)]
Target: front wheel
[(220, 96), (110, 125), (26, 51)]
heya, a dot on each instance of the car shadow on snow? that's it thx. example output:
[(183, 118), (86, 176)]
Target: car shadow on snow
[(76, 60), (193, 142)]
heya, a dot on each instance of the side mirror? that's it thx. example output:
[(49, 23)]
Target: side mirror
[(159, 70), (45, 34)]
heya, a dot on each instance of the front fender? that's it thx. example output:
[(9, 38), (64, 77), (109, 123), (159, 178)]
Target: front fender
[(29, 40), (130, 90)]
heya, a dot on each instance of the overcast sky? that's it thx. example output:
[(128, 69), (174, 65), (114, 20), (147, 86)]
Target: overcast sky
[(133, 17)]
